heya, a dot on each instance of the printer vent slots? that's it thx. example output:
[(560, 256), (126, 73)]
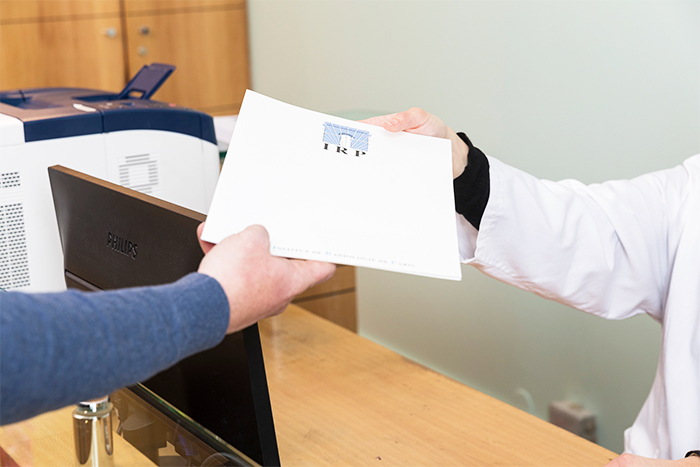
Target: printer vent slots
[(140, 172), (9, 180), (14, 263)]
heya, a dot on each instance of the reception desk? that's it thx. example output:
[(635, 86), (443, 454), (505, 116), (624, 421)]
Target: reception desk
[(341, 400)]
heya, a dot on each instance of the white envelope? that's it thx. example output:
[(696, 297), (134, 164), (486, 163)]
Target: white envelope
[(339, 191)]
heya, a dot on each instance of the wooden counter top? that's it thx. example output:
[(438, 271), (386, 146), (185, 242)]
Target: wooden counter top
[(341, 400)]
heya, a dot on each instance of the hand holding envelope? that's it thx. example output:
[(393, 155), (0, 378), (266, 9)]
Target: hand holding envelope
[(339, 191)]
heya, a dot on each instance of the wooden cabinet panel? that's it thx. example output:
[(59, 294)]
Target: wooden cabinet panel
[(76, 53), (18, 10), (209, 49), (333, 299), (340, 309), (342, 280), (135, 6)]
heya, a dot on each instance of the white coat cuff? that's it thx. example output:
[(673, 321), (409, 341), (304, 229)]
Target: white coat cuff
[(466, 237)]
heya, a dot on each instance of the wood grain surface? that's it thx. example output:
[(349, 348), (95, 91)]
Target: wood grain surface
[(341, 400)]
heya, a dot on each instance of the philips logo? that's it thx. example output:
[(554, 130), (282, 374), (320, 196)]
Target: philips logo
[(122, 245)]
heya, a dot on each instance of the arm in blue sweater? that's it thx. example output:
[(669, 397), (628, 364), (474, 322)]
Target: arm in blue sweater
[(61, 348)]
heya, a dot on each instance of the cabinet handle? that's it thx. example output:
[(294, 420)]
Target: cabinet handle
[(145, 30), (110, 32), (142, 51)]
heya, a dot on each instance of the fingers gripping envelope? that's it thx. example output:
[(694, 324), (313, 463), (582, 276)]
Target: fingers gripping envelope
[(339, 191)]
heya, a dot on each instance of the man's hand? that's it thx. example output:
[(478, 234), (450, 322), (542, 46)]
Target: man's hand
[(256, 283), (630, 460), (419, 121)]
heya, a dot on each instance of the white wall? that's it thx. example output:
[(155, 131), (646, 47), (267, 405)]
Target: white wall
[(569, 88)]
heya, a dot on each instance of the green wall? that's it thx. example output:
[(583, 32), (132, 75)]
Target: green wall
[(581, 89)]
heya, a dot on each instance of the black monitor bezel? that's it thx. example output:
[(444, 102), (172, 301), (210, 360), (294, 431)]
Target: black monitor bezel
[(84, 205)]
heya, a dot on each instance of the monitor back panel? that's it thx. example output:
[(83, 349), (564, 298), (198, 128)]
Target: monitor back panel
[(113, 237)]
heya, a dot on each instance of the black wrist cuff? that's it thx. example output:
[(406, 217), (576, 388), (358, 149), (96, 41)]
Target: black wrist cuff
[(473, 186), (693, 453)]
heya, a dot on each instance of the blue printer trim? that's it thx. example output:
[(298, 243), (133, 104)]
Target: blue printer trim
[(175, 119), (49, 113), (72, 125)]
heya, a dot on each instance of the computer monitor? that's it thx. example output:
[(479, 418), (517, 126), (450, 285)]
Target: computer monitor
[(225, 388)]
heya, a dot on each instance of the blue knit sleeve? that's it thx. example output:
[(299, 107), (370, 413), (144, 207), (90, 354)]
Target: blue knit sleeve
[(61, 348)]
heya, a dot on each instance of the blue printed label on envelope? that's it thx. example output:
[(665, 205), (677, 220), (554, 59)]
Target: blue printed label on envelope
[(345, 139)]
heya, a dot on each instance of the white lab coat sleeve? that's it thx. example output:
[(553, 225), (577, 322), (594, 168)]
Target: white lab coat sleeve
[(606, 249)]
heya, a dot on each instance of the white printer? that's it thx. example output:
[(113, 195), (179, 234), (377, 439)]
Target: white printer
[(157, 148)]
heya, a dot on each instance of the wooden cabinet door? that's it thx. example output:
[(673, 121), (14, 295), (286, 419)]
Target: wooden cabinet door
[(334, 299), (55, 44), (46, 10), (162, 6), (208, 45)]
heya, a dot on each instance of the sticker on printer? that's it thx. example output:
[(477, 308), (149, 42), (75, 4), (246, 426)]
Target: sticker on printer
[(84, 108)]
